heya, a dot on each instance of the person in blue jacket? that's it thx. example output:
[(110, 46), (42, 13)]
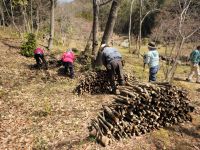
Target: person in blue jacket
[(152, 59), (194, 65), (112, 60)]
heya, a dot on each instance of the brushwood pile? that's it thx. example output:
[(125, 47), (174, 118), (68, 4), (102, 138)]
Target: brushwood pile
[(138, 109)]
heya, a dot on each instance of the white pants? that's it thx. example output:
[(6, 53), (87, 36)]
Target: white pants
[(194, 71)]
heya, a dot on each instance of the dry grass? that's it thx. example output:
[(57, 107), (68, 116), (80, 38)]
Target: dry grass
[(37, 112)]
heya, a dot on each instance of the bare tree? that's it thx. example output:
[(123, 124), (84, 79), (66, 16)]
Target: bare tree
[(50, 44), (111, 21), (142, 18), (95, 30), (12, 16), (2, 14), (130, 23), (183, 37), (109, 27), (177, 25), (89, 41)]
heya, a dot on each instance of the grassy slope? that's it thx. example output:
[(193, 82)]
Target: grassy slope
[(43, 113)]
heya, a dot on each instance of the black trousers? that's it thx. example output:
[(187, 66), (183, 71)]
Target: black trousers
[(69, 68), (40, 60), (114, 69)]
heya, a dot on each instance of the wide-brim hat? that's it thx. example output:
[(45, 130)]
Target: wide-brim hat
[(151, 45)]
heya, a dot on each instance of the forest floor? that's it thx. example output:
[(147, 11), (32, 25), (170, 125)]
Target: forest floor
[(42, 112)]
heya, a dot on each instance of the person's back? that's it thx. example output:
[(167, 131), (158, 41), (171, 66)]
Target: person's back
[(195, 56), (112, 60), (68, 57), (153, 58), (39, 56), (109, 54)]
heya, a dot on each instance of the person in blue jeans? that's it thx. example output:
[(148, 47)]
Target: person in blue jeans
[(152, 59)]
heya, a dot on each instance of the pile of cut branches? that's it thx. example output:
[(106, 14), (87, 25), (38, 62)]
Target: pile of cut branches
[(141, 108), (98, 82)]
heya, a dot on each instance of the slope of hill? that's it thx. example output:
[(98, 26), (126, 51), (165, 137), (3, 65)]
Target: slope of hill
[(38, 111)]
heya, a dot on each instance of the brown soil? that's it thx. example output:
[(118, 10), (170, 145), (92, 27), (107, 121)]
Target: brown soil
[(38, 111)]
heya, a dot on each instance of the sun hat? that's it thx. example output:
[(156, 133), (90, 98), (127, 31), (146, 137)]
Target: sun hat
[(151, 45)]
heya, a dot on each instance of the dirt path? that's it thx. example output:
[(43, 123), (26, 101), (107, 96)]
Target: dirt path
[(41, 113)]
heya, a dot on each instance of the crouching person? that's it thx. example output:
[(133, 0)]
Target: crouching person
[(112, 60), (68, 59), (39, 57)]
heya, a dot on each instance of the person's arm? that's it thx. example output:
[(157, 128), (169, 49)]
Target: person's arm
[(103, 57), (146, 58), (195, 58)]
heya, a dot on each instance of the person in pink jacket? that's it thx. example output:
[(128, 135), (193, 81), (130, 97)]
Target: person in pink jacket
[(39, 57), (68, 59)]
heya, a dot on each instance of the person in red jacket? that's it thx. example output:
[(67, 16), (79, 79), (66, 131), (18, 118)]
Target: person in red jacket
[(39, 57), (68, 59)]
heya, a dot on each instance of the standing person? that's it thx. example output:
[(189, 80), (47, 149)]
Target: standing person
[(194, 65), (39, 57), (112, 60), (152, 59), (68, 59)]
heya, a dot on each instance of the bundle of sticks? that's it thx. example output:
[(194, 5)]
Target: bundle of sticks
[(141, 108), (98, 82)]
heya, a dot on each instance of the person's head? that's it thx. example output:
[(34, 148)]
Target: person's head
[(151, 45), (198, 47), (103, 46)]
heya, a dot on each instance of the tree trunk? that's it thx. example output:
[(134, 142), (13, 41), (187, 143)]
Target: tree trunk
[(88, 44), (13, 20), (50, 44), (109, 28), (95, 31), (130, 23), (2, 16), (111, 22), (31, 16), (37, 21), (140, 28), (172, 71)]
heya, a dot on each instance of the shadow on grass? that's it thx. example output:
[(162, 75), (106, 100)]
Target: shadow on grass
[(180, 79), (10, 45), (70, 144), (193, 132), (35, 67), (61, 72)]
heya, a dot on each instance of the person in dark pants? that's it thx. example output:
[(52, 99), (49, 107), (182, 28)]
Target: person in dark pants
[(112, 60), (68, 59), (39, 57), (152, 59)]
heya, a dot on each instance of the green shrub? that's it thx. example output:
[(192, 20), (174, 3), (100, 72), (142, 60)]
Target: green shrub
[(27, 48)]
